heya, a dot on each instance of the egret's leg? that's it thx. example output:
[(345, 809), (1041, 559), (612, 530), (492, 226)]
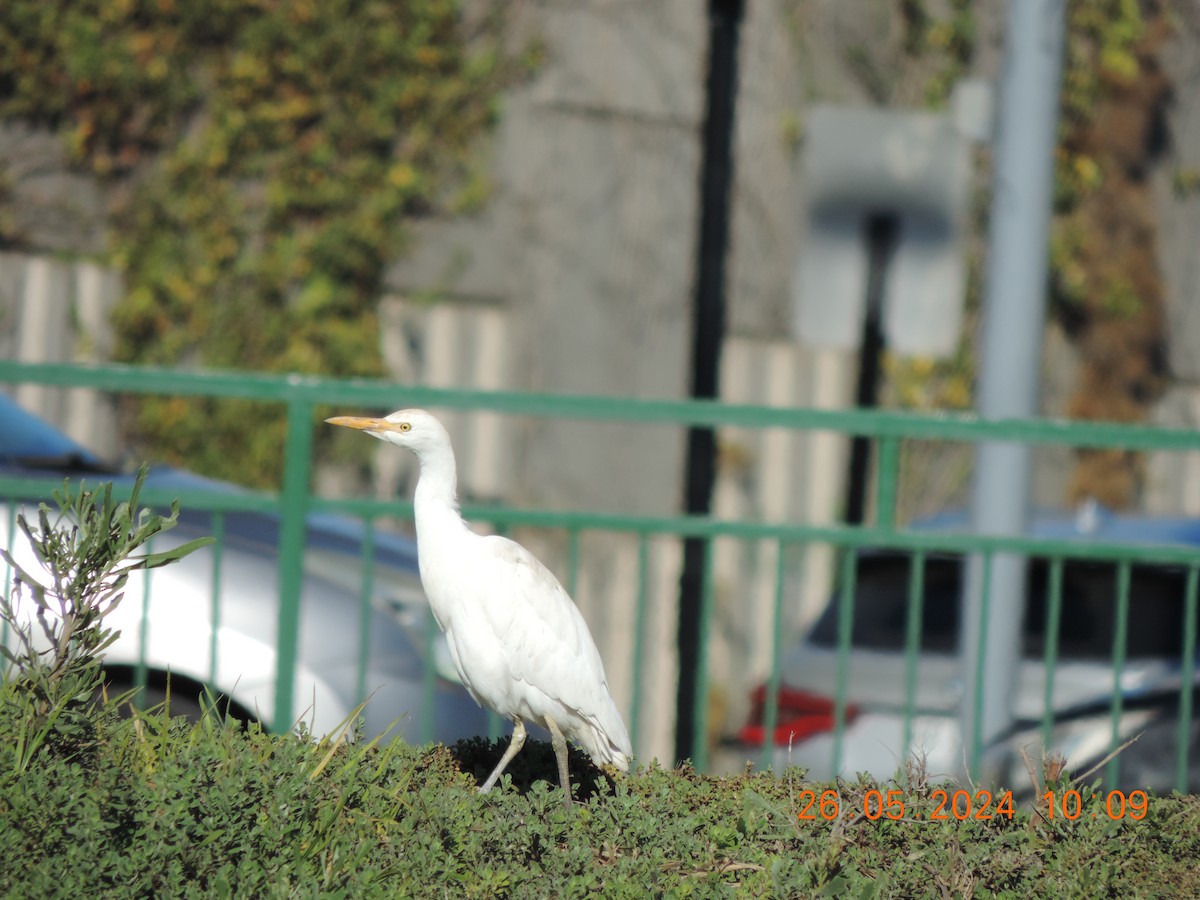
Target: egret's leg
[(560, 752), (514, 747)]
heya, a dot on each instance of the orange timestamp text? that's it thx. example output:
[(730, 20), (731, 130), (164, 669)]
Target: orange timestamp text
[(1072, 804), (962, 805), (957, 805)]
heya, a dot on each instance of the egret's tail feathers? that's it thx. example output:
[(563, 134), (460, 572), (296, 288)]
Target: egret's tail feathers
[(610, 747), (603, 736), (621, 761), (606, 754)]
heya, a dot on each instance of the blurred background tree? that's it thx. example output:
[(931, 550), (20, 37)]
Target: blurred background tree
[(1107, 289), (260, 160)]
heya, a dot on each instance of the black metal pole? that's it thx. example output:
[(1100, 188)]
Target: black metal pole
[(881, 233), (708, 327)]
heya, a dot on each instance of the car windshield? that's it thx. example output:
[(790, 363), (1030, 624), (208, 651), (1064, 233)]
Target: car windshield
[(25, 440), (1088, 621)]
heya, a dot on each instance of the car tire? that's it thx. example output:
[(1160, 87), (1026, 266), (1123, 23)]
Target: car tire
[(185, 696)]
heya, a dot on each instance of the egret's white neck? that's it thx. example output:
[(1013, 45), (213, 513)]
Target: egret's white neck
[(436, 493)]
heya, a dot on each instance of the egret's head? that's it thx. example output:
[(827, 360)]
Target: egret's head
[(412, 428)]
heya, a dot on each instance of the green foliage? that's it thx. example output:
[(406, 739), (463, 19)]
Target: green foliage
[(1102, 36), (1186, 182), (87, 548), (268, 156), (1102, 43), (952, 38), (172, 809)]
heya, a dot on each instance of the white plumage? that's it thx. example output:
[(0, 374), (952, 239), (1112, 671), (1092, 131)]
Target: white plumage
[(518, 641)]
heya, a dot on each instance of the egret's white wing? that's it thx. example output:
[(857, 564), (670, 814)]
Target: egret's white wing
[(547, 644)]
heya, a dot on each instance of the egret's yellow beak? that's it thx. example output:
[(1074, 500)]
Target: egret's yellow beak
[(362, 424)]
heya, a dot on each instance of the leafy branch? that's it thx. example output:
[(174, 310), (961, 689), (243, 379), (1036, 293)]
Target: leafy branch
[(87, 548)]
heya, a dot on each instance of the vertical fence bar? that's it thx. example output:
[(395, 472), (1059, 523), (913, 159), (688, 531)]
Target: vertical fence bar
[(1186, 680), (141, 671), (1050, 664), (293, 503), (700, 700), (495, 725), (1113, 770), (914, 623), (367, 588), (889, 477), (429, 633), (217, 523), (845, 635), (771, 700), (975, 738), (639, 638)]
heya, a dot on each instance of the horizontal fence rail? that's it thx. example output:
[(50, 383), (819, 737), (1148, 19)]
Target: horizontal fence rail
[(317, 390), (303, 395)]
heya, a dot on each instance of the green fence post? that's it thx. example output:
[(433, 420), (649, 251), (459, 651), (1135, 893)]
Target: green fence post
[(429, 675), (639, 639), (845, 636), (1120, 645), (889, 477), (1186, 682), (293, 509), (1053, 630), (365, 610), (775, 678), (914, 623), (141, 672), (218, 551), (975, 739), (699, 752)]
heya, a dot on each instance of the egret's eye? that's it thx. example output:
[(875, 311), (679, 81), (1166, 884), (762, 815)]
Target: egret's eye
[(405, 426)]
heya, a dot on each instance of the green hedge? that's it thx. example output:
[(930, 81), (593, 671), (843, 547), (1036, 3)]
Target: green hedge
[(169, 809)]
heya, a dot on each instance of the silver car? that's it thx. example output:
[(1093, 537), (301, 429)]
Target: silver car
[(174, 624)]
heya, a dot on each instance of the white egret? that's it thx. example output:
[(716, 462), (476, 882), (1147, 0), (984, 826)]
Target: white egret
[(518, 641)]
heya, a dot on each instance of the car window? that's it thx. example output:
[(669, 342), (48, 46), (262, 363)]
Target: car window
[(27, 440), (1088, 622)]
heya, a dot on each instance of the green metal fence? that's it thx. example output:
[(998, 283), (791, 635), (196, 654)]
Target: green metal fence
[(304, 395)]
